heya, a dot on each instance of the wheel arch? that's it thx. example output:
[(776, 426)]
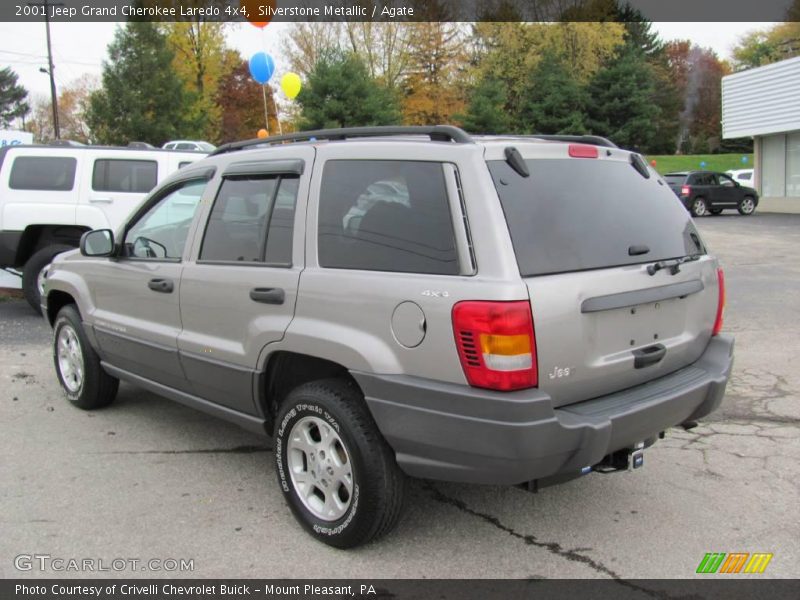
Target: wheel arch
[(36, 237), (284, 371)]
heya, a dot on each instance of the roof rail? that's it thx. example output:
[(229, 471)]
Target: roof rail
[(437, 133), (593, 140)]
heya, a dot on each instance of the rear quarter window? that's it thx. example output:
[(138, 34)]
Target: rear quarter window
[(580, 214), (386, 215), (45, 173)]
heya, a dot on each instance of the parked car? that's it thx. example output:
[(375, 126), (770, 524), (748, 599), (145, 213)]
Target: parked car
[(704, 192), (487, 320), (743, 176), (189, 145), (50, 195)]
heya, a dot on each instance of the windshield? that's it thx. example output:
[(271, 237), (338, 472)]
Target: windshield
[(572, 215)]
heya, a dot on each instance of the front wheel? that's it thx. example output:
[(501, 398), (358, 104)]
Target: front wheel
[(699, 207), (336, 472), (35, 272), (747, 206), (78, 367)]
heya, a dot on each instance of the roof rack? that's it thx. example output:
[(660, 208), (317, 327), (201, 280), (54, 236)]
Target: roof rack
[(437, 133), (593, 140)]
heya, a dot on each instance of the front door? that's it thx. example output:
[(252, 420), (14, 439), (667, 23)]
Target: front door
[(136, 316), (239, 294)]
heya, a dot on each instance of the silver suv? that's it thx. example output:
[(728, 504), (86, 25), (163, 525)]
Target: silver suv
[(386, 302)]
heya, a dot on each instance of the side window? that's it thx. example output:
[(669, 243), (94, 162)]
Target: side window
[(46, 173), (252, 221), (134, 176), (386, 216), (162, 231), (725, 181), (185, 146)]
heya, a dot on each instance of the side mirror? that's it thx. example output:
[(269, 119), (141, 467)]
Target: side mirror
[(99, 242)]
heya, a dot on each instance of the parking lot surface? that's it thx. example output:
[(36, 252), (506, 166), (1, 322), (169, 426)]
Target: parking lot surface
[(149, 479)]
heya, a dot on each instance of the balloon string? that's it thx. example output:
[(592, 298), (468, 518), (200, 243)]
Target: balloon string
[(266, 112)]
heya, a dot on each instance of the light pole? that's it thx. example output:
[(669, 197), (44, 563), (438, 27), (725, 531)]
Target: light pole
[(50, 66)]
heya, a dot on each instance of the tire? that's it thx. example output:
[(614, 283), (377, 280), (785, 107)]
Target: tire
[(34, 268), (698, 208), (336, 511), (747, 206), (716, 211), (85, 383)]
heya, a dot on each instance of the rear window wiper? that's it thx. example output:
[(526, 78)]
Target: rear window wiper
[(674, 265)]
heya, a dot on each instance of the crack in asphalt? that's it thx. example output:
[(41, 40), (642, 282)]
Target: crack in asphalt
[(553, 547), (234, 450)]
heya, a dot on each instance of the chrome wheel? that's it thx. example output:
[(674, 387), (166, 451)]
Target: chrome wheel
[(320, 468), (70, 358), (747, 206), (42, 277), (699, 208)]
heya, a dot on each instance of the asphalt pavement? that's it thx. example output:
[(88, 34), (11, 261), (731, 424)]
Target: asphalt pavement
[(149, 479)]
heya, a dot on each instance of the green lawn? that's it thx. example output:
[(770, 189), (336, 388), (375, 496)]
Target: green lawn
[(691, 162)]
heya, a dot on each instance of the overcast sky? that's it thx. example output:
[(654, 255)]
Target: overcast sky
[(80, 48)]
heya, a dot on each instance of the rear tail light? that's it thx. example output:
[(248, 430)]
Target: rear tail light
[(582, 151), (496, 344), (720, 303), (686, 190)]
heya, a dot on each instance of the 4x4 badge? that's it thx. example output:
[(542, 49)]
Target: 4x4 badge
[(436, 293)]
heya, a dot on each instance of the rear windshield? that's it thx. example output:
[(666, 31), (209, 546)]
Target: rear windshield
[(578, 214), (675, 179)]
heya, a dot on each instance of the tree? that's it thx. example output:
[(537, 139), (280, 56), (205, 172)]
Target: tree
[(555, 102), (433, 90), (242, 105), (73, 104), (486, 111), (200, 60), (622, 107), (140, 99), (340, 93), (306, 43), (765, 46), (384, 48), (13, 98)]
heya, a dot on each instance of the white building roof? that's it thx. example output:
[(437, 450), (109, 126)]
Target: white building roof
[(762, 101)]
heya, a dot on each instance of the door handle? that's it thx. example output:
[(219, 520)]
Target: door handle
[(101, 200), (268, 295), (644, 357), (165, 286)]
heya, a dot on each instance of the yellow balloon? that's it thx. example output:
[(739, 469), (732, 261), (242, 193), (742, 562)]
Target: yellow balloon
[(291, 84), (262, 133)]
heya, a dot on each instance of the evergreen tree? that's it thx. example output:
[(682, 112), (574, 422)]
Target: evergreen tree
[(13, 98), (141, 98), (554, 102), (622, 106), (340, 93), (486, 109)]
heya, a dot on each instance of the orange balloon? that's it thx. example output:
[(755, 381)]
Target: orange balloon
[(653, 162), (252, 14), (262, 133)]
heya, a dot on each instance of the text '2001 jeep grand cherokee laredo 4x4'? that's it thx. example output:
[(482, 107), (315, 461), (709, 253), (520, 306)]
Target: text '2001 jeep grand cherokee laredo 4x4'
[(391, 301)]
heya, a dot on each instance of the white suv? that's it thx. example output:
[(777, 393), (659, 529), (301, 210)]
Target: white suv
[(51, 195)]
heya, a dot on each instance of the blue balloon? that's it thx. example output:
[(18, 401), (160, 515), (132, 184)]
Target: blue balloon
[(703, 165), (744, 160), (262, 67)]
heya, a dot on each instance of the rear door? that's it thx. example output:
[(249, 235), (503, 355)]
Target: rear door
[(584, 233), (239, 294), (115, 183)]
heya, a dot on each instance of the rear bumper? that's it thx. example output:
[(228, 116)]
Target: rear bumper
[(457, 433), (9, 243)]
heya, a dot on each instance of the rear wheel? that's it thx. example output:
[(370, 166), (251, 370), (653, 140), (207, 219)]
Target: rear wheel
[(337, 473), (747, 206), (716, 211), (699, 207), (35, 272), (78, 368)]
